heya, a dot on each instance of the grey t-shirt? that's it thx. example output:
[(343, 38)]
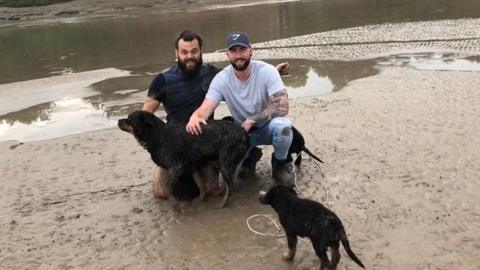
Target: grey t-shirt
[(246, 98)]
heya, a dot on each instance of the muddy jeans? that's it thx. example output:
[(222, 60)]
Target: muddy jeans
[(276, 132)]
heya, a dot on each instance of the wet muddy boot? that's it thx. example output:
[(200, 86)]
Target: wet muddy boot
[(250, 164), (282, 172)]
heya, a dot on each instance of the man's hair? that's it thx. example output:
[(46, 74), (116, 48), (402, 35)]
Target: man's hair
[(188, 35)]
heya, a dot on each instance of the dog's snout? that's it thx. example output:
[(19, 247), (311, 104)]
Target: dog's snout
[(261, 197), (122, 124), (261, 200)]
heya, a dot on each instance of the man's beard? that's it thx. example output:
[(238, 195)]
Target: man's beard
[(190, 72), (241, 67)]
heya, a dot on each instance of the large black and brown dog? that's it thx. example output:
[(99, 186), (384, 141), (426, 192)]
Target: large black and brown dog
[(221, 143), (307, 218)]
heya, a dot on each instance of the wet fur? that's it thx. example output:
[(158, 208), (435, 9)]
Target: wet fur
[(221, 143), (307, 218)]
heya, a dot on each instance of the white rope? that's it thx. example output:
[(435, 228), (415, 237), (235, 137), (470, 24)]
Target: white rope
[(295, 181), (325, 185), (265, 234), (271, 219)]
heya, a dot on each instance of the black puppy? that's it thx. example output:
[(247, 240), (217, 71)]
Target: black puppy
[(307, 218), (172, 148), (297, 146)]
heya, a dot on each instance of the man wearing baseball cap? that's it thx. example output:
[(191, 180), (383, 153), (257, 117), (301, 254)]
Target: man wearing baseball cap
[(258, 101), (238, 39)]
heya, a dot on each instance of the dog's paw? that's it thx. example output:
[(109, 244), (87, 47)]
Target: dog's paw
[(217, 191), (288, 255)]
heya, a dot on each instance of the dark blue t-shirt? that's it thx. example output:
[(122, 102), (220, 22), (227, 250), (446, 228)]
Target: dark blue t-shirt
[(179, 94)]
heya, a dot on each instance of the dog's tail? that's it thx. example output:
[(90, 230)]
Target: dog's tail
[(346, 246), (240, 164), (305, 149), (236, 173)]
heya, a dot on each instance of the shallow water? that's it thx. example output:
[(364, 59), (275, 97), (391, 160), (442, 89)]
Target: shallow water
[(45, 50), (108, 100), (105, 102), (433, 61), (143, 45)]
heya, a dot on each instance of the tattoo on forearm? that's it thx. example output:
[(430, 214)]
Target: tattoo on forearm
[(277, 106)]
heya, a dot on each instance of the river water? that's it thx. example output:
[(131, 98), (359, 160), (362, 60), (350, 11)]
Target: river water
[(55, 76)]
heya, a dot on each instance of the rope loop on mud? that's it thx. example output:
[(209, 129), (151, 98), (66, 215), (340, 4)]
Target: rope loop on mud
[(265, 234)]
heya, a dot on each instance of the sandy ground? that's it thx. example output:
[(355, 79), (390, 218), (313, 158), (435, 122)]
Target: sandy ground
[(402, 171)]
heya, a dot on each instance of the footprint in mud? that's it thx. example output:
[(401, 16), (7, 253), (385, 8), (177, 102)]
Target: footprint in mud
[(137, 210), (13, 147)]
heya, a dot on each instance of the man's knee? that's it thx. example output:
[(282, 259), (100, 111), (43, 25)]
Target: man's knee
[(160, 174), (160, 177), (281, 129), (282, 136), (281, 126)]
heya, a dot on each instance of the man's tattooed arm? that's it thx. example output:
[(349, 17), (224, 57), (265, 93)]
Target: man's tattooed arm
[(277, 106)]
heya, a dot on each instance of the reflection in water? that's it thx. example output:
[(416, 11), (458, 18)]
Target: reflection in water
[(58, 118), (434, 61), (310, 78), (39, 112), (314, 85), (120, 96), (144, 45), (117, 97)]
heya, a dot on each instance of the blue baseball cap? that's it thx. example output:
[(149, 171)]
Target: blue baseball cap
[(238, 39)]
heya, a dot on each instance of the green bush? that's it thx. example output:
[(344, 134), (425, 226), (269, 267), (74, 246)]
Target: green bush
[(29, 3)]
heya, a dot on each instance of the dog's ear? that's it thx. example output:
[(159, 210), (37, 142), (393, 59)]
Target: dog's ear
[(149, 120), (147, 126), (138, 121)]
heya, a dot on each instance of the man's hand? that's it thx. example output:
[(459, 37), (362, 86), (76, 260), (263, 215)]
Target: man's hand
[(199, 116), (283, 68), (194, 125), (248, 124)]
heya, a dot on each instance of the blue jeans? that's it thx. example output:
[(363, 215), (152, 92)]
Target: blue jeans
[(276, 132)]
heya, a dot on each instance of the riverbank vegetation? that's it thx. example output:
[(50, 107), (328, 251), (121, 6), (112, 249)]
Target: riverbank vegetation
[(29, 3)]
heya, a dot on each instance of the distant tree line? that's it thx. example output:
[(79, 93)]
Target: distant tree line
[(29, 3)]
